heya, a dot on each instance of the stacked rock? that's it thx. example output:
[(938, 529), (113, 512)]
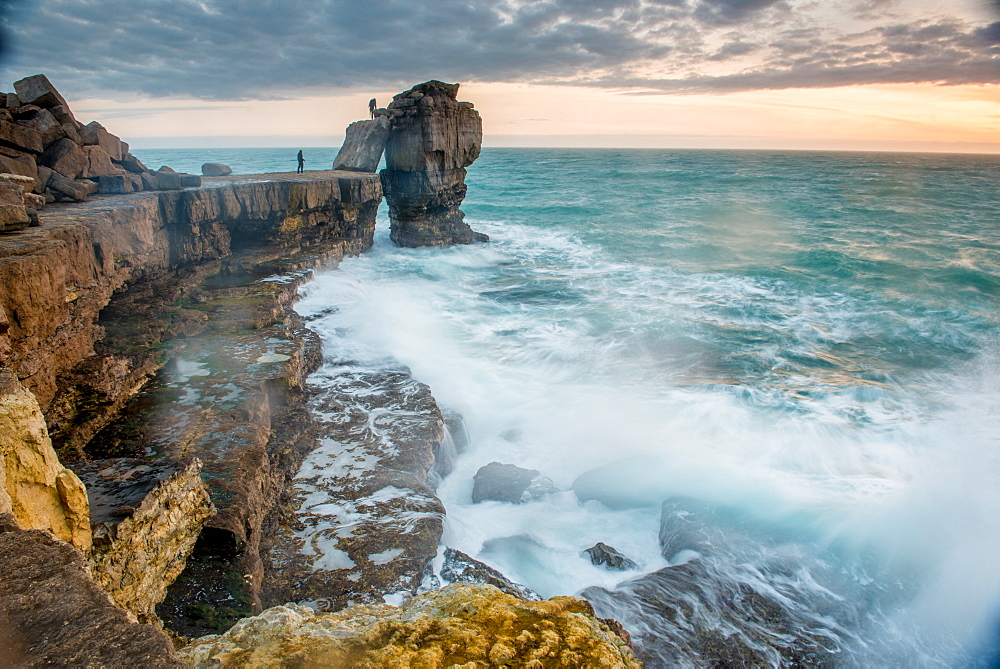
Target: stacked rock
[(67, 160), (433, 138)]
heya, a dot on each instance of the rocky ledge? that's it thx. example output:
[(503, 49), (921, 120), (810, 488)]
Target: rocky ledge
[(459, 625)]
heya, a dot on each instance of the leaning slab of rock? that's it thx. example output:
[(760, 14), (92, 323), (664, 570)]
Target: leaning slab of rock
[(459, 625), (38, 90), (461, 568), (146, 518), (510, 483), (53, 614), (434, 137), (604, 555), (363, 145), (216, 170)]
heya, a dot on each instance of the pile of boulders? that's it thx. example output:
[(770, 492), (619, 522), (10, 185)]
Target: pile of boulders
[(41, 139)]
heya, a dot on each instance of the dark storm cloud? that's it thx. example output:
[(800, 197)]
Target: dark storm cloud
[(266, 49)]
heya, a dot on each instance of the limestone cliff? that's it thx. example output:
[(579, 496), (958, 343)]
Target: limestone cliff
[(460, 625), (146, 519), (434, 137), (34, 486)]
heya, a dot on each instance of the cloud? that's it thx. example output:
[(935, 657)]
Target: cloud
[(269, 49)]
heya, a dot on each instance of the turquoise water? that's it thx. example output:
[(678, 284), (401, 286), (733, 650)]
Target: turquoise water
[(808, 344), (243, 161)]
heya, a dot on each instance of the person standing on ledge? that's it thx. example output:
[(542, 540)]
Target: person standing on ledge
[(371, 107), (302, 162)]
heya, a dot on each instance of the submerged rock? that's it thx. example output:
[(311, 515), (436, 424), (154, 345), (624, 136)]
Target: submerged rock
[(510, 483), (467, 625), (602, 554), (434, 137), (460, 568)]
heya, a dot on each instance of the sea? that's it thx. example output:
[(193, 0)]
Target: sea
[(770, 379)]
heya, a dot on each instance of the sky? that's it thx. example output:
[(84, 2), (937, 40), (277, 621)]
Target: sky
[(918, 75)]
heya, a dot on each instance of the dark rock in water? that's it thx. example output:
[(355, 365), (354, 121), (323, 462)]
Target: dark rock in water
[(460, 568), (216, 170), (363, 145), (705, 614), (53, 614), (602, 554), (454, 422), (691, 524), (510, 483), (434, 137)]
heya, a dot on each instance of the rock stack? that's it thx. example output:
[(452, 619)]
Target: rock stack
[(64, 159), (433, 138)]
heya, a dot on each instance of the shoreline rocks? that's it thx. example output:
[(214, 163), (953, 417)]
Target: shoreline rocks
[(510, 483), (458, 625)]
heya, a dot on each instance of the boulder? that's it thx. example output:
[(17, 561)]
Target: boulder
[(604, 555), (13, 215), (48, 126), (216, 170), (190, 180), (66, 158), (99, 163), (363, 145), (94, 134), (38, 90), (26, 168), (72, 132), (11, 101), (64, 188), (115, 185), (161, 181), (461, 568), (20, 138), (131, 163), (510, 483), (53, 614), (459, 625)]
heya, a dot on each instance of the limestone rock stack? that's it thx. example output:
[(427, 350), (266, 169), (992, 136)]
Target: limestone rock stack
[(433, 138), (65, 160)]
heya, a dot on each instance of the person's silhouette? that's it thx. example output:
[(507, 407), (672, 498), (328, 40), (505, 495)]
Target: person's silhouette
[(302, 162), (372, 106)]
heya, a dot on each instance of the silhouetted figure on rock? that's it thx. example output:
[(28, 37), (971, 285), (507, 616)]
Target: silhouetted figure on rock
[(372, 105), (302, 162)]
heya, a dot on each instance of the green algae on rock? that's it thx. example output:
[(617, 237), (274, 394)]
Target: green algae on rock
[(459, 625)]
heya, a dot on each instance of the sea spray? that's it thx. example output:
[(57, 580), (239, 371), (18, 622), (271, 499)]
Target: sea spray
[(807, 341)]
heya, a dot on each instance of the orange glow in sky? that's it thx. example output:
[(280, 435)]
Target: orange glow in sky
[(907, 117)]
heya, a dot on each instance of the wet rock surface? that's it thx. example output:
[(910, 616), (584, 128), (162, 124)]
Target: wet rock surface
[(146, 518), (510, 483), (360, 520), (604, 555), (434, 137), (460, 625), (53, 614), (461, 568)]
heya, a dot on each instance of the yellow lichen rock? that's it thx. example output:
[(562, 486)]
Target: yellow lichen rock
[(461, 625), (34, 486)]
